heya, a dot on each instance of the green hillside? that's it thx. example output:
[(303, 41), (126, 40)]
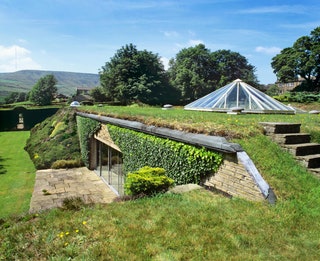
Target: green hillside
[(23, 81), (198, 225)]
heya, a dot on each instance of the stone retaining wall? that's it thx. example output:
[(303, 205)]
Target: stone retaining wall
[(234, 179)]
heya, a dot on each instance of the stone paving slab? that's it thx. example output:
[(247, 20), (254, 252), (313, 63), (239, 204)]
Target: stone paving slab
[(65, 183)]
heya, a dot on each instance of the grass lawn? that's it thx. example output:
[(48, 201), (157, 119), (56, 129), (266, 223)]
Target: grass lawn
[(219, 124), (198, 225), (17, 173)]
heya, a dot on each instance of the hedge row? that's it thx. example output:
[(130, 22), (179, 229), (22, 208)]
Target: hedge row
[(86, 128), (300, 97), (183, 163)]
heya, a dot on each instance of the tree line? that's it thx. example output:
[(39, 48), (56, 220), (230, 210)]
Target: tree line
[(133, 75)]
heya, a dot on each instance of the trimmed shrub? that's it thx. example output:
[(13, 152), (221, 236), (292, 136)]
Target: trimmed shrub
[(147, 181), (66, 164)]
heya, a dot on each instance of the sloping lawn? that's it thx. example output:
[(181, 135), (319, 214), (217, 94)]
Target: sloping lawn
[(198, 225), (17, 173)]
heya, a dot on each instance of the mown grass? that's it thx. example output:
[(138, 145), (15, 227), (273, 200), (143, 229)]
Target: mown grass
[(198, 225), (17, 173), (220, 124)]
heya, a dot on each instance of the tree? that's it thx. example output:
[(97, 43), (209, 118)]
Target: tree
[(232, 66), (43, 91), (16, 97), (196, 71), (98, 94), (300, 60), (273, 90), (193, 72), (133, 75)]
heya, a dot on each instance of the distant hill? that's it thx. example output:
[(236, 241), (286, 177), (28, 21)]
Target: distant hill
[(23, 81)]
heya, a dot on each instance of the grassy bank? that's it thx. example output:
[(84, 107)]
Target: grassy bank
[(198, 225), (17, 173)]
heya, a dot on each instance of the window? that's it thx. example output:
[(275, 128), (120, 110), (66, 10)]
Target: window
[(110, 166)]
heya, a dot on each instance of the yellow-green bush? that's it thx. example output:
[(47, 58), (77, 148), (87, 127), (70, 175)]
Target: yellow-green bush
[(65, 164), (147, 181), (60, 126)]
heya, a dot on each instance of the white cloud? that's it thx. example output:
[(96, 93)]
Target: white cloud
[(268, 50), (194, 42), (188, 44), (170, 34), (276, 9), (165, 62), (191, 33), (23, 41), (14, 57)]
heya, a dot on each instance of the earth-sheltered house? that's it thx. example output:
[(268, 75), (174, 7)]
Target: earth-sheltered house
[(236, 176)]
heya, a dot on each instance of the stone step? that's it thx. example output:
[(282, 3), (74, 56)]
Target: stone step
[(310, 161), (303, 149), (315, 171), (291, 138), (280, 127)]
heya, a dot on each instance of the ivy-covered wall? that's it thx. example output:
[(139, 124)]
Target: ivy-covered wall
[(183, 163), (86, 129)]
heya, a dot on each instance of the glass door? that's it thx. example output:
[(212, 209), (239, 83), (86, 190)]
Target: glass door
[(110, 167)]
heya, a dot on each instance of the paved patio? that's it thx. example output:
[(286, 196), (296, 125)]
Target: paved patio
[(52, 186)]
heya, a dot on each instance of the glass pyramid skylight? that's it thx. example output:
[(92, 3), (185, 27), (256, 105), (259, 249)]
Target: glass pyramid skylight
[(238, 94)]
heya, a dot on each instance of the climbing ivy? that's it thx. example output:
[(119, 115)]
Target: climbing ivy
[(183, 163), (86, 128)]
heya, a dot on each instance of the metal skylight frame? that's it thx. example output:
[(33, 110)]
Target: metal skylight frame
[(255, 100)]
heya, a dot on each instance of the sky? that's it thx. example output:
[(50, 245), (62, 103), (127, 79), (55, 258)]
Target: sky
[(82, 35)]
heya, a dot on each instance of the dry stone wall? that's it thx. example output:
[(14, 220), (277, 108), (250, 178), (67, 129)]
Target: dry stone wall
[(234, 179)]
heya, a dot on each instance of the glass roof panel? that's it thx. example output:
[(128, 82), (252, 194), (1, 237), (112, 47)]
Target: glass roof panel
[(238, 94)]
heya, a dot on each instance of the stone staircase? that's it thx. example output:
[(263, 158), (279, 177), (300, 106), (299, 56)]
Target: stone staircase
[(288, 136)]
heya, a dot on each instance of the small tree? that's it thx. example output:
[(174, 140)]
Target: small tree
[(43, 91), (98, 94), (16, 97), (273, 90)]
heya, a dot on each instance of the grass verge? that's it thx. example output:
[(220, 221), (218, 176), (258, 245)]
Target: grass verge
[(17, 173)]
